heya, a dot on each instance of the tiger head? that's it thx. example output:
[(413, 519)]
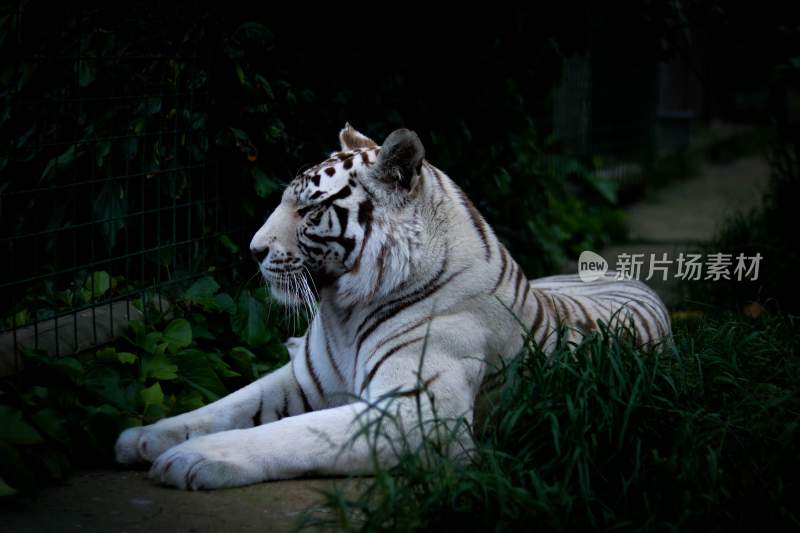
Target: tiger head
[(342, 222)]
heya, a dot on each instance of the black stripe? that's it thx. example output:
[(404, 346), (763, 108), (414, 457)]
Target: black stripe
[(657, 311), (383, 360), (504, 262), (381, 267), (285, 407), (525, 298), (661, 318), (411, 300), (643, 321), (654, 316), (257, 416), (564, 309), (343, 215), (520, 275), (310, 365), (334, 364), (423, 288), (477, 221), (541, 311), (655, 302), (306, 406), (365, 209), (437, 176), (589, 321), (387, 340)]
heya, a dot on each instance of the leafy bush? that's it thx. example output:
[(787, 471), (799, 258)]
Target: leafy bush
[(246, 102), (63, 411), (702, 434)]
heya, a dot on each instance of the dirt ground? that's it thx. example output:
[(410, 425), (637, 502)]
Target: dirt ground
[(127, 502)]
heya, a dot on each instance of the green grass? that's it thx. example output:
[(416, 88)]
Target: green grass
[(700, 434)]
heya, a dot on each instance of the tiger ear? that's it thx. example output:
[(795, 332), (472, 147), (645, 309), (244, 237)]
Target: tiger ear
[(400, 157), (350, 139)]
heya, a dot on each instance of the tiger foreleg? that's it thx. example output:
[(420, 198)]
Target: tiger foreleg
[(352, 439), (272, 397)]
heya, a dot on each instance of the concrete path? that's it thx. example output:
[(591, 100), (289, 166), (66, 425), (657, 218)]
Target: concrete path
[(692, 210), (126, 501), (687, 213)]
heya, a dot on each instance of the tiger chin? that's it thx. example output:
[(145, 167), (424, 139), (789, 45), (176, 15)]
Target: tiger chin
[(409, 286)]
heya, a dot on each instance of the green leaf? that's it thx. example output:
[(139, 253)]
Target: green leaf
[(239, 75), (240, 135), (152, 395), (150, 106), (255, 32), (196, 368), (126, 357), (98, 283), (102, 150), (69, 366), (138, 328), (36, 396), (221, 366), (60, 162), (109, 353), (138, 124), (151, 341), (21, 317), (6, 489), (200, 328), (201, 289), (51, 423), (188, 401), (54, 462), (250, 321), (243, 359), (178, 334), (229, 244), (107, 383), (86, 73), (265, 86), (157, 366), (14, 430), (202, 293), (606, 187), (225, 302), (28, 68), (264, 185), (110, 207)]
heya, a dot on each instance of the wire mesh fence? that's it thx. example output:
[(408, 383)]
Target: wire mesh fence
[(110, 198)]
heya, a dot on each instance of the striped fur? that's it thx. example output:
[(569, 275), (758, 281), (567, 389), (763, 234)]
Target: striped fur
[(401, 262)]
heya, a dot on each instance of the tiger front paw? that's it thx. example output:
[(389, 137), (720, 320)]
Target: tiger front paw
[(210, 462), (146, 443)]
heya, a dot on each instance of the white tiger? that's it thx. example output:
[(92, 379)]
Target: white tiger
[(402, 261)]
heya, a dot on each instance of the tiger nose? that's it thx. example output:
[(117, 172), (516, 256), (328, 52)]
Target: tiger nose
[(259, 254)]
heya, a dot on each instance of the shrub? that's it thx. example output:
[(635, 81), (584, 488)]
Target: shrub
[(602, 435)]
